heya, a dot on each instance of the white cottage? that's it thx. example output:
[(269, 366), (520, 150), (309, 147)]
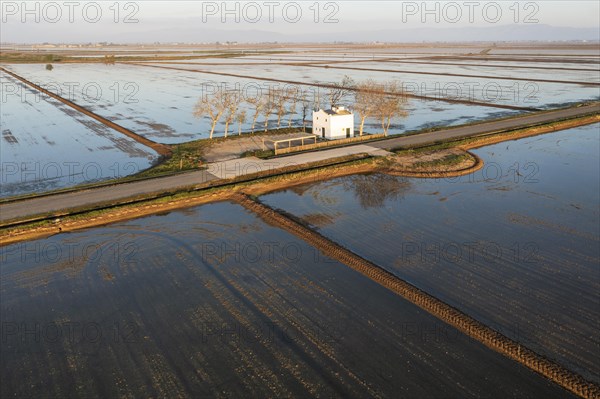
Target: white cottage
[(335, 123)]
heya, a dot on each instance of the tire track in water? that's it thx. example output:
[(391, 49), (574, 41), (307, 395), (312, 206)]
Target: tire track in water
[(471, 327), (303, 350)]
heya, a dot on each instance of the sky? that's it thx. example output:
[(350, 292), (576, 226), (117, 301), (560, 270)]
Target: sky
[(208, 21), (408, 13)]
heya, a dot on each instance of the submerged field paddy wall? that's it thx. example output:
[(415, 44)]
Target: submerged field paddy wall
[(460, 75), (29, 228), (333, 86), (461, 321), (161, 149), (464, 64)]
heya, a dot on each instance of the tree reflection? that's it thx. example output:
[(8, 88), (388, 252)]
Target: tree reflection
[(373, 190)]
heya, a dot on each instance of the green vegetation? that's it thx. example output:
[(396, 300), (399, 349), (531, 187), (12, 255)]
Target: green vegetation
[(185, 156), (190, 155), (448, 160), (262, 154), (289, 174), (30, 57), (43, 57), (192, 150), (442, 145)]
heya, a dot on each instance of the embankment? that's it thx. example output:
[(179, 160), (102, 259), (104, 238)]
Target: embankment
[(471, 327), (333, 86), (262, 184)]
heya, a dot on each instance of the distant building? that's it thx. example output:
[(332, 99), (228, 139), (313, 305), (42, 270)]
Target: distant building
[(335, 123)]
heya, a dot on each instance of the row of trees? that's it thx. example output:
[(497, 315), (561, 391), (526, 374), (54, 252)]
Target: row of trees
[(226, 104), (372, 99), (383, 101)]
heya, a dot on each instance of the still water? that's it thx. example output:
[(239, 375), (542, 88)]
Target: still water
[(514, 245), (211, 301)]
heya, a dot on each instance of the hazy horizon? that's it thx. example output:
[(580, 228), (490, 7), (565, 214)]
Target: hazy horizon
[(289, 21)]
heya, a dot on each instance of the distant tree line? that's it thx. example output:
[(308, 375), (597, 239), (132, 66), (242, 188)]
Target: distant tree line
[(372, 99)]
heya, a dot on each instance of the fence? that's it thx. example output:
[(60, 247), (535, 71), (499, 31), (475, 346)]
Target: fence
[(330, 143)]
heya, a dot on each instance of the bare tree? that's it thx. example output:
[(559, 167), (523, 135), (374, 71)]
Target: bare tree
[(336, 94), (389, 104), (317, 102), (240, 118), (232, 104), (213, 106), (305, 101), (365, 100), (269, 106), (293, 94), (258, 103), (280, 99)]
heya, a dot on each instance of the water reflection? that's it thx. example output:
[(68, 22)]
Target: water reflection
[(373, 190), (515, 244)]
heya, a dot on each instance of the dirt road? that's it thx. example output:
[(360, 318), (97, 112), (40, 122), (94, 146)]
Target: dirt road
[(485, 128), (238, 167)]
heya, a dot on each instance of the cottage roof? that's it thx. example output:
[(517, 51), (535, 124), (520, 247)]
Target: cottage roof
[(337, 111)]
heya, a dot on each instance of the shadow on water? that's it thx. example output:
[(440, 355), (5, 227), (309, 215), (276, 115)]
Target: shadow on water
[(373, 190)]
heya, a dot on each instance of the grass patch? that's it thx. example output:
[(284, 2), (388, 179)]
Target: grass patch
[(190, 155), (43, 57), (448, 160), (30, 57), (184, 157), (262, 154), (292, 173)]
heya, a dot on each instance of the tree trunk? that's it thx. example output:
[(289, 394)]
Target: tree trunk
[(226, 128), (212, 129), (387, 127), (362, 124)]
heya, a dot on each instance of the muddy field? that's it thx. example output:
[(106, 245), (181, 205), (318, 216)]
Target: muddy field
[(210, 301), (514, 245)]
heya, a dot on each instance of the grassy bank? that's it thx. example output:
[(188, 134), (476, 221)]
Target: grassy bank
[(44, 57), (267, 182), (190, 155), (75, 219)]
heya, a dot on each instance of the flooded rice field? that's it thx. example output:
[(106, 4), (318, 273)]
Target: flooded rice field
[(158, 103), (211, 301), (47, 145), (214, 301), (491, 90), (514, 245)]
